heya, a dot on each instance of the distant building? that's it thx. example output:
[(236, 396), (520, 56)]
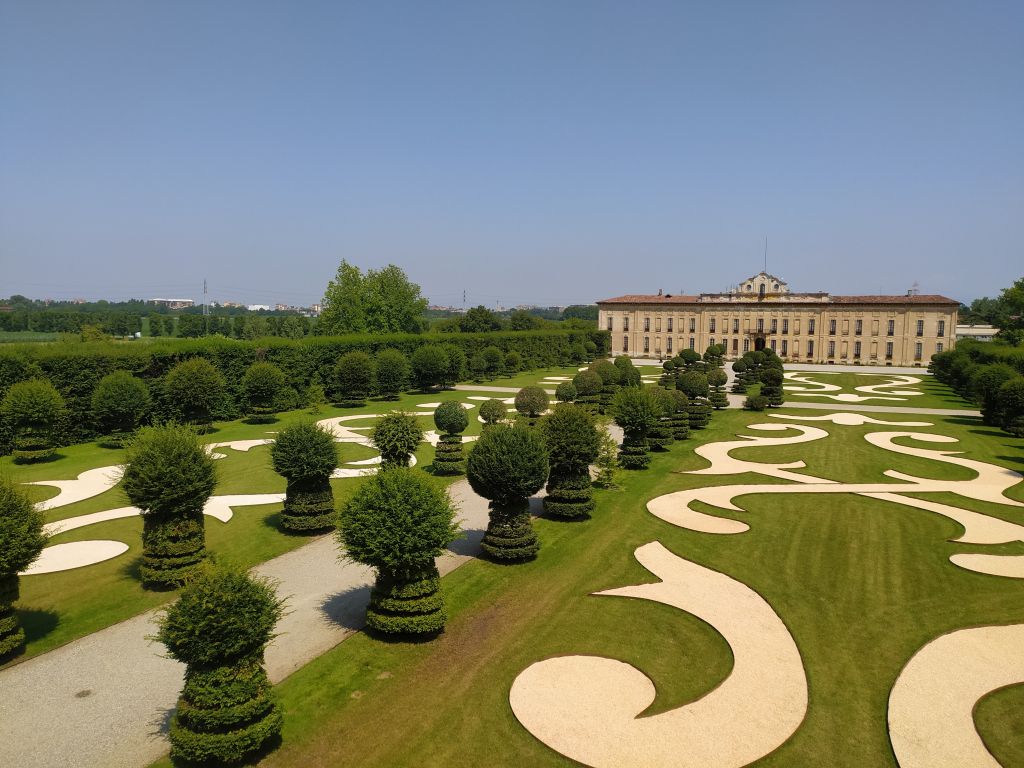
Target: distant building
[(258, 307), (801, 327), (976, 332), (173, 303)]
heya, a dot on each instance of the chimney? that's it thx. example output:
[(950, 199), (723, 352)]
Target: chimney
[(660, 291)]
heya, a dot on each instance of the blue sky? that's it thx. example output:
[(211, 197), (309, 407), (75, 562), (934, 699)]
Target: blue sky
[(542, 152)]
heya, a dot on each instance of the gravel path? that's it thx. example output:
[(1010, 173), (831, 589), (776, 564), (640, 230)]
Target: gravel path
[(105, 700)]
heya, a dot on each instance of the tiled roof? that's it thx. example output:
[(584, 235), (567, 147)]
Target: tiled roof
[(918, 299), (640, 298)]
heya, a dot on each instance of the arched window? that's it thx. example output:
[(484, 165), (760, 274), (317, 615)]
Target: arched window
[(760, 290), (775, 287)]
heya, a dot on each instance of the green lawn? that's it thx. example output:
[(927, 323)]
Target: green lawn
[(936, 394), (530, 377), (20, 337), (861, 584)]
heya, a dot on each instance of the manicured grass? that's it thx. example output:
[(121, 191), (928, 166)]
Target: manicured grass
[(861, 584), (20, 337), (936, 394), (529, 378)]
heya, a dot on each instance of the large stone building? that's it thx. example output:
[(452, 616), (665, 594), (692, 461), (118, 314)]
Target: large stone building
[(801, 327)]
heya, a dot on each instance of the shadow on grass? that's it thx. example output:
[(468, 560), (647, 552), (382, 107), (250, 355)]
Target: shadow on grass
[(21, 461), (273, 521), (37, 624), (967, 421), (1012, 459)]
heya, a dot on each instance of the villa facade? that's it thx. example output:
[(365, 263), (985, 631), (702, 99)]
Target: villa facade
[(901, 330)]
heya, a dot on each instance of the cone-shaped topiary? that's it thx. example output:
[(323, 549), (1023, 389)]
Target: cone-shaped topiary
[(398, 522), (396, 436), (573, 443), (566, 392), (716, 381), (531, 402), (305, 455), (169, 476), (119, 403), (393, 372), (262, 385), (660, 436), (21, 541), (637, 412), (355, 378), (492, 412), (31, 410), (193, 390), (451, 420), (219, 628), (507, 466), (700, 413), (588, 390)]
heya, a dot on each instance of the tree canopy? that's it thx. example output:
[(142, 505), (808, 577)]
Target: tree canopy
[(379, 301)]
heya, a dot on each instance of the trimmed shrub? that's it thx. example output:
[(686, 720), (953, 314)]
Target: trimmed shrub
[(680, 415), (771, 385), (688, 358), (578, 353), (21, 541), (398, 522), (756, 403), (699, 411), (573, 443), (429, 366), (588, 389), (985, 383), (494, 359), (219, 628), (478, 367), (739, 384), (31, 410), (660, 437), (693, 384), (629, 373), (119, 404), (1011, 406), (355, 378), (668, 375), (451, 420), (396, 436), (637, 412), (262, 387), (169, 476), (193, 390), (716, 381), (457, 368), (713, 355), (507, 466), (565, 392), (492, 412), (513, 362), (611, 378), (531, 402), (607, 462), (393, 372), (306, 456)]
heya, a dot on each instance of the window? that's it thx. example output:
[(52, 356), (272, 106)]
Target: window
[(796, 326), (711, 341), (735, 325), (668, 343), (760, 325), (625, 323), (888, 350), (858, 327), (760, 291), (892, 328), (670, 325), (856, 349), (796, 348), (810, 348), (735, 345), (693, 325), (609, 322), (773, 345), (647, 324), (657, 325), (625, 343), (692, 345), (917, 350), (657, 345), (832, 327), (810, 326), (647, 344), (775, 326), (785, 344), (846, 327), (711, 326), (939, 347), (874, 327), (920, 327), (942, 329), (785, 325), (746, 345), (832, 348)]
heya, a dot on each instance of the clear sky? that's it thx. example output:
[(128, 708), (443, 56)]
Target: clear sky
[(546, 152)]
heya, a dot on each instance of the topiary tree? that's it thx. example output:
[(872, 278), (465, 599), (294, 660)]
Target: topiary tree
[(396, 436), (169, 476), (457, 367), (565, 392), (219, 628), (513, 362), (398, 522), (755, 403), (611, 377), (495, 359), (984, 385), (693, 384), (771, 386), (713, 355), (531, 402), (21, 541), (478, 367), (193, 390), (629, 374), (262, 386), (668, 376), (429, 366), (637, 412), (588, 390), (507, 466), (451, 420), (660, 437), (1011, 406), (716, 381), (355, 377), (607, 462), (573, 443), (492, 412), (680, 415), (393, 371), (591, 349), (699, 411), (306, 456), (739, 384), (32, 411), (119, 403), (688, 358)]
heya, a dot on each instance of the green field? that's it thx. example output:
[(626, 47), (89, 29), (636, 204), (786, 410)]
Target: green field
[(20, 337), (935, 394)]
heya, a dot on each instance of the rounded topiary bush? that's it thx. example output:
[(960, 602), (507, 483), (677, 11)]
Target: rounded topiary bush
[(219, 628), (660, 437), (398, 522), (756, 403), (451, 420), (573, 442), (21, 541), (693, 384), (565, 392), (493, 411), (590, 348), (32, 411), (355, 378), (531, 402), (507, 466), (396, 436), (169, 476), (393, 372), (193, 391), (716, 382), (588, 389), (262, 385), (306, 456), (637, 412), (119, 404), (430, 364)]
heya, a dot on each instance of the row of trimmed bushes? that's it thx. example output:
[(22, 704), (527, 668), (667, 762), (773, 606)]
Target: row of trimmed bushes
[(989, 374)]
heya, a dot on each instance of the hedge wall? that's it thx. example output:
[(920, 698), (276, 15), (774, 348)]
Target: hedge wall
[(76, 368)]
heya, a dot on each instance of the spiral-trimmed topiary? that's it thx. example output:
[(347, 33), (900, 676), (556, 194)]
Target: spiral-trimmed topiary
[(31, 410), (396, 436), (306, 456), (507, 466), (660, 437), (531, 402), (355, 376), (219, 628), (169, 476), (21, 541), (573, 442), (637, 412), (451, 420), (119, 403), (398, 522)]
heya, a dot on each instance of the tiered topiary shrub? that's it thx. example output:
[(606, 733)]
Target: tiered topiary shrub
[(306, 456), (219, 628), (668, 374), (611, 377), (507, 466), (693, 385), (688, 359), (193, 391), (588, 390), (637, 412), (739, 384), (398, 522), (119, 403), (660, 438), (713, 355), (393, 372), (31, 410), (262, 385), (716, 381), (566, 392), (771, 386), (493, 412), (680, 415), (573, 443), (355, 379), (396, 436), (531, 402), (21, 541), (451, 420), (699, 411), (169, 476)]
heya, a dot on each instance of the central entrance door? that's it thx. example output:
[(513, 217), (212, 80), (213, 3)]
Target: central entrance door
[(759, 343)]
